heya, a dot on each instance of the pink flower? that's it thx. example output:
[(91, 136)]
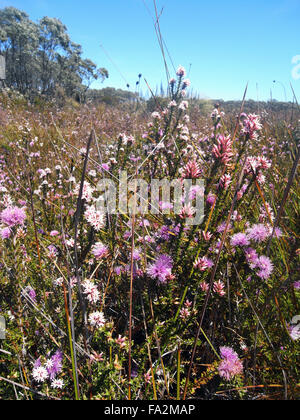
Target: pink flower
[(191, 170), (40, 374), (105, 167), (225, 182), (223, 149), (251, 257), (251, 126), (57, 384), (203, 263), (95, 218), (239, 239), (87, 192), (100, 251), (13, 216), (255, 164), (183, 106), (96, 357), (186, 83), (230, 365), (187, 212), (147, 378), (258, 233), (219, 287), (121, 341), (204, 286), (5, 233), (221, 228), (172, 104), (266, 267), (52, 252), (181, 71), (161, 269), (184, 314), (297, 285), (207, 236), (211, 199)]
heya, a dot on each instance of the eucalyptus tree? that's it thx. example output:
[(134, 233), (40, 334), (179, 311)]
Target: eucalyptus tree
[(53, 45), (19, 44), (40, 57)]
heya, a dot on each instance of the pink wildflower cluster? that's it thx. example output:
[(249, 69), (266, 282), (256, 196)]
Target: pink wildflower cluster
[(161, 269), (100, 251), (225, 182), (258, 233), (219, 288), (223, 149), (217, 115), (240, 239), (251, 126), (202, 264), (263, 264), (265, 267), (181, 71), (13, 216), (230, 366), (91, 292), (49, 370), (87, 192), (185, 312), (95, 218), (191, 170), (5, 233), (255, 164)]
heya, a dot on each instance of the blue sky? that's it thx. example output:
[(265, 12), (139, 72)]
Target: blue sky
[(227, 43)]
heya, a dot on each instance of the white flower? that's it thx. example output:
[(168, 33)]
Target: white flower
[(57, 384), (155, 116), (184, 105), (95, 217), (87, 192), (49, 364), (97, 319), (93, 173), (40, 374), (172, 104), (91, 292)]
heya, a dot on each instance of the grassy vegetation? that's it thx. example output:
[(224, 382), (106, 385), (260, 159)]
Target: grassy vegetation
[(146, 306)]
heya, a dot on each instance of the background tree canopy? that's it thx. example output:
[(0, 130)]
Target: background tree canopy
[(41, 58)]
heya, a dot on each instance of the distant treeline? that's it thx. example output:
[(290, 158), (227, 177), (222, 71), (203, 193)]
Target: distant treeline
[(111, 96), (41, 58), (252, 106)]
